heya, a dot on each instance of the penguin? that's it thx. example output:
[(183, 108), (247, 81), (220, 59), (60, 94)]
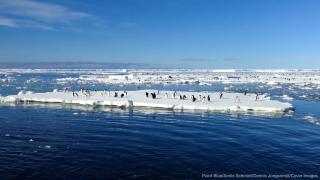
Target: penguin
[(153, 95), (193, 98), (221, 95)]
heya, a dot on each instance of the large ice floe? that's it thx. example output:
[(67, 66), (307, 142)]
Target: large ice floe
[(301, 79), (157, 99)]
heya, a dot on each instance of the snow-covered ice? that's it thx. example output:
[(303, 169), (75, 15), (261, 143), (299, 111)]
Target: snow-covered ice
[(164, 99)]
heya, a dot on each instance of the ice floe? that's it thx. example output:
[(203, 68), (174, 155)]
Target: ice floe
[(207, 101), (302, 79), (312, 120), (286, 97)]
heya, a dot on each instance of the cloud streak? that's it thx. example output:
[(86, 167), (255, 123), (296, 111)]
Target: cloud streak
[(7, 22), (22, 24), (36, 14)]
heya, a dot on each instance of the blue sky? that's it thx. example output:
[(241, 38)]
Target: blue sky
[(180, 33)]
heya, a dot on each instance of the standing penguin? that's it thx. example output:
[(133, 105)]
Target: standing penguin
[(237, 99), (193, 98), (184, 97), (221, 95), (203, 98)]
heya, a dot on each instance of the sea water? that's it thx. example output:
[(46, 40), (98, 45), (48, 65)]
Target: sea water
[(78, 142)]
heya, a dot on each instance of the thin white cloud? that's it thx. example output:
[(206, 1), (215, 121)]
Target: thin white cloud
[(22, 23), (7, 22), (34, 24), (31, 13)]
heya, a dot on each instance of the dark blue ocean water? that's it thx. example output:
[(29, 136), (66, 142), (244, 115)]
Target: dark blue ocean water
[(69, 142)]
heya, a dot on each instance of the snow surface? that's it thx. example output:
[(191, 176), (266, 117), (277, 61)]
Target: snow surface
[(138, 99)]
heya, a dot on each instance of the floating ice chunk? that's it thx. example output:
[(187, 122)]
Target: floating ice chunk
[(18, 87), (306, 88), (312, 120), (55, 90), (47, 146), (31, 140), (33, 80), (204, 84), (286, 97), (272, 83)]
